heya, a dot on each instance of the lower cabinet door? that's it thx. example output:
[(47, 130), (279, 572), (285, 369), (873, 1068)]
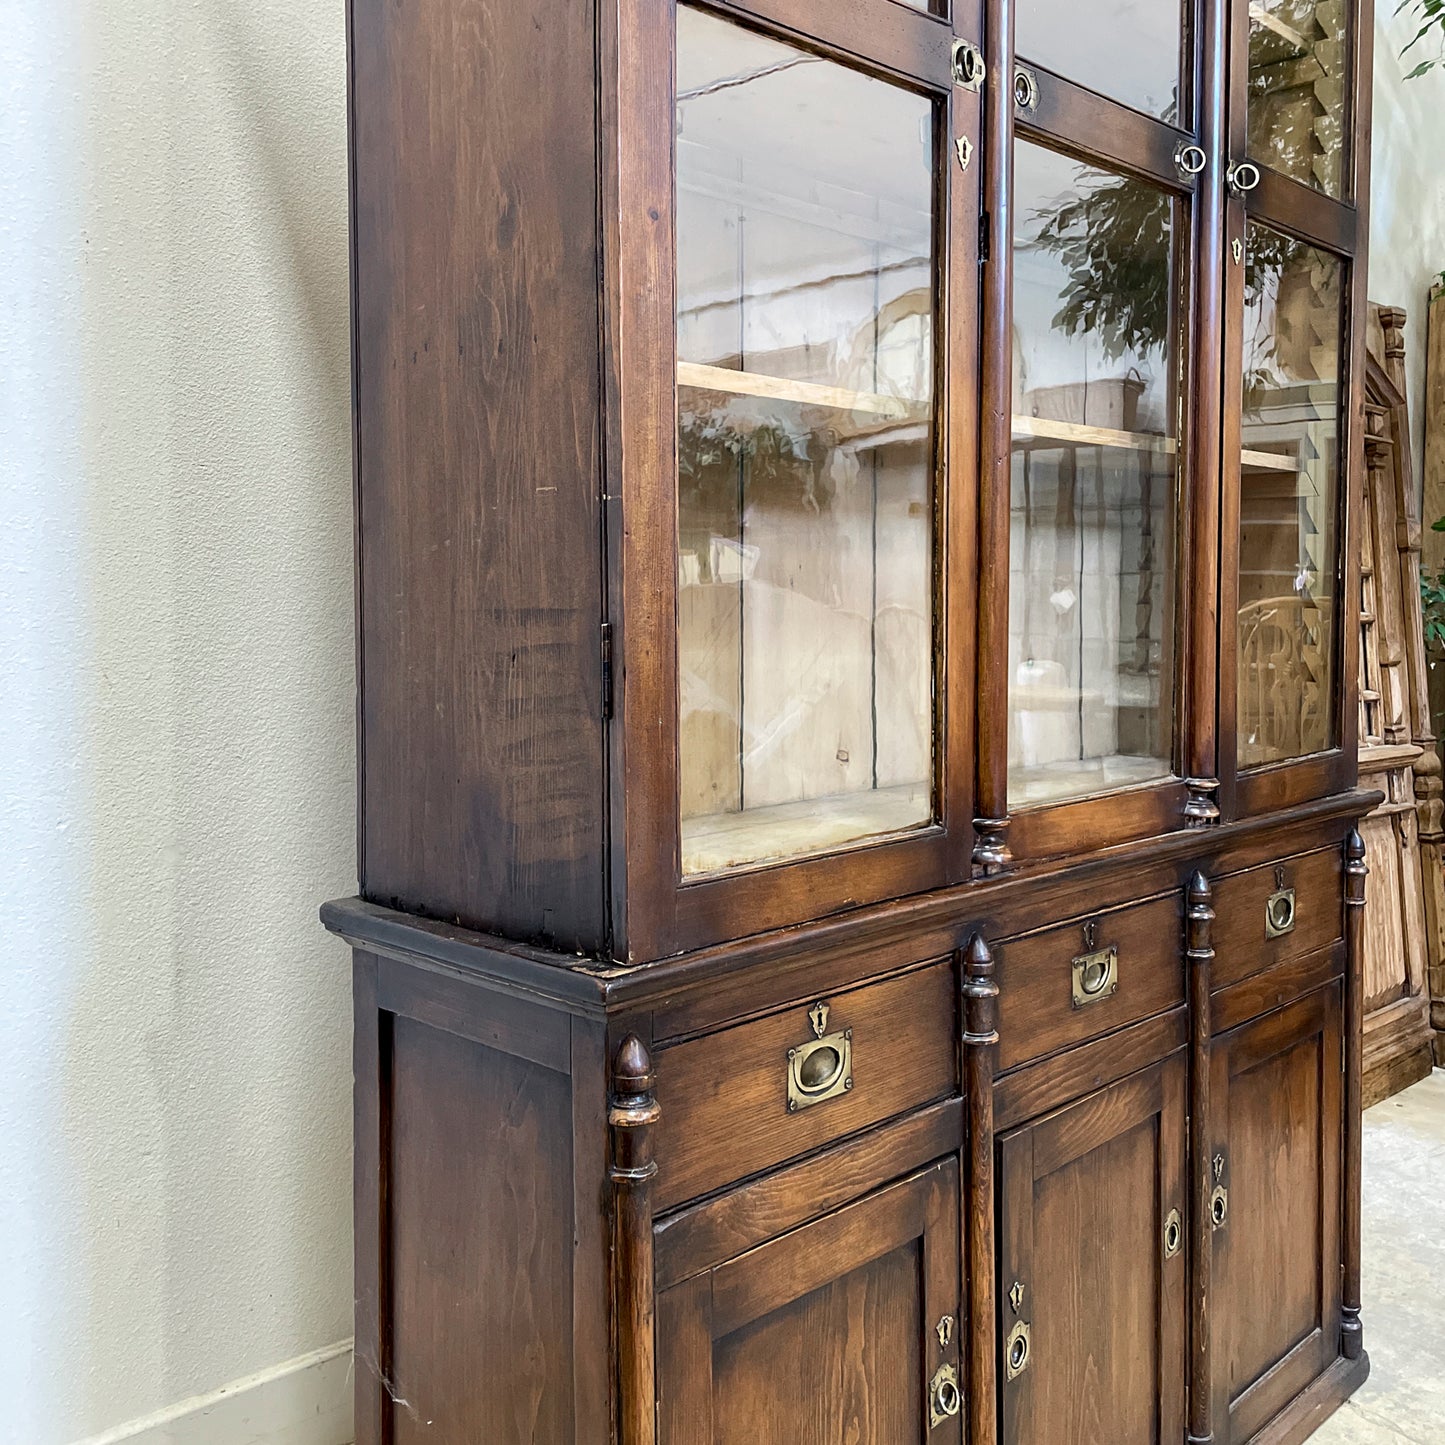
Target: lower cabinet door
[(845, 1329), (1276, 1207), (1093, 1288)]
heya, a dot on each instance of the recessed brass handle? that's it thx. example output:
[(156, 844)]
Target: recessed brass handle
[(1219, 1207), (1243, 177), (1017, 1350), (945, 1399), (1026, 88), (969, 70), (819, 1070), (1279, 913), (1096, 975), (1191, 159), (1173, 1234)]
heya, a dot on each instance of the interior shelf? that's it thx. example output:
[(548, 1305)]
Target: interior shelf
[(807, 393), (1076, 434)]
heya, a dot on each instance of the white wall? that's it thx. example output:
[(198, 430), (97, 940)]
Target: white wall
[(176, 711), (1407, 220)]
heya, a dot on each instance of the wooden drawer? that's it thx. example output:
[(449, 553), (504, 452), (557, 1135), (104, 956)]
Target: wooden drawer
[(1242, 942), (725, 1098), (1040, 1008)]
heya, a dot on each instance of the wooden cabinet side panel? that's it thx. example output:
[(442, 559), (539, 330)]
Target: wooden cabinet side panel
[(479, 463), (468, 1247)]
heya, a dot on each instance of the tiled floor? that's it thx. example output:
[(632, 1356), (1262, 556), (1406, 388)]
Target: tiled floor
[(1403, 1401)]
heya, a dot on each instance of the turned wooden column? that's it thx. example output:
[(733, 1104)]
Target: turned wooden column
[(1352, 1341), (980, 1039), (632, 1116), (1199, 953)]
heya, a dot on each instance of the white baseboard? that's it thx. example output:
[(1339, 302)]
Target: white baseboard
[(306, 1401)]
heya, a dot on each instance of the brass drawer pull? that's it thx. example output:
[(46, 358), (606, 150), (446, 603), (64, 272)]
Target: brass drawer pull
[(1173, 1234), (1016, 1351), (969, 71), (945, 1399), (1219, 1207), (1096, 975), (822, 1068), (1279, 908)]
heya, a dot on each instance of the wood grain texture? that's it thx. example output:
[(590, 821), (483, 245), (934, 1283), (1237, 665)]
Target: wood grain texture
[(1199, 963), (475, 218), (466, 1126), (1240, 943), (725, 1099), (979, 993)]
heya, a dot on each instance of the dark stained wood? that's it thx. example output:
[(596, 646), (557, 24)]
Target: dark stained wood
[(480, 586), (1080, 828), (1276, 1092), (1352, 1333), (1262, 993), (1085, 1196), (1199, 961), (371, 1122), (1240, 941), (591, 1254), (980, 1047), (1037, 1012), (826, 1333), (729, 1224), (1075, 120), (1308, 213), (995, 444), (904, 1055), (632, 1118), (467, 1124)]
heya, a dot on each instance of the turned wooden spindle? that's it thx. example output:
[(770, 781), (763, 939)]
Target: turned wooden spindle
[(1352, 1341), (1199, 953)]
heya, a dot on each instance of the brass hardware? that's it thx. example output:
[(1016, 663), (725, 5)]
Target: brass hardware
[(964, 147), (1026, 88), (822, 1068), (945, 1399), (1279, 913), (1096, 975), (1236, 249), (1016, 1351), (969, 71), (1091, 935), (1191, 159), (1218, 1163), (818, 1017), (1173, 1234), (1016, 1296), (944, 1330), (1219, 1207), (1243, 177)]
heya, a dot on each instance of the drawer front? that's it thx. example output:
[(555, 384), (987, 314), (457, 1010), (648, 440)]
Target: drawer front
[(1079, 980), (1304, 893), (742, 1100)]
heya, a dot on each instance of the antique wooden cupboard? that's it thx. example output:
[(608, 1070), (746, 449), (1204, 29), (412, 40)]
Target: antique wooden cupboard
[(861, 908)]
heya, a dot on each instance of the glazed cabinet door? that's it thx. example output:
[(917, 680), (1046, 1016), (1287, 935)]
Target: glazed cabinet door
[(799, 506), (1092, 1285), (842, 1330), (1276, 1206)]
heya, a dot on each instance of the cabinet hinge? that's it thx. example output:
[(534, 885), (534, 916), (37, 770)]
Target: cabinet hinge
[(606, 670), (983, 237)]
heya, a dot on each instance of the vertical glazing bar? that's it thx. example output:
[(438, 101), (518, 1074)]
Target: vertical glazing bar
[(1199, 952), (980, 1040), (990, 851), (632, 1116), (1352, 1342)]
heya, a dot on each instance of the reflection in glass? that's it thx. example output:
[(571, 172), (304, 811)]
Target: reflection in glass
[(1289, 498), (1298, 72), (1128, 50), (805, 300), (1095, 477)]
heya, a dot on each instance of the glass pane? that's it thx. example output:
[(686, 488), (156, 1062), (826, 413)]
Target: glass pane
[(1298, 71), (805, 300), (1128, 50), (1092, 554), (1289, 498)]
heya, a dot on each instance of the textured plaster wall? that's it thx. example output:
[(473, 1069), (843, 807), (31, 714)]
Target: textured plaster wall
[(176, 713), (1407, 220)]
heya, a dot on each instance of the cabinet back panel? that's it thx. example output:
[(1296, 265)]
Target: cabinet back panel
[(478, 456), (477, 1338)]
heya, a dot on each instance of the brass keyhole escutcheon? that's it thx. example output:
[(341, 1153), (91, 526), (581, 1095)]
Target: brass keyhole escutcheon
[(945, 1399), (1016, 1350)]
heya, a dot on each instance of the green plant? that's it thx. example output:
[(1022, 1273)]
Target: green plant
[(1432, 604), (1431, 15)]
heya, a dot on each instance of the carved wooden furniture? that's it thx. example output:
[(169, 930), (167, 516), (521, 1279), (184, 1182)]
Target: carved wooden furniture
[(862, 921), (1398, 755)]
